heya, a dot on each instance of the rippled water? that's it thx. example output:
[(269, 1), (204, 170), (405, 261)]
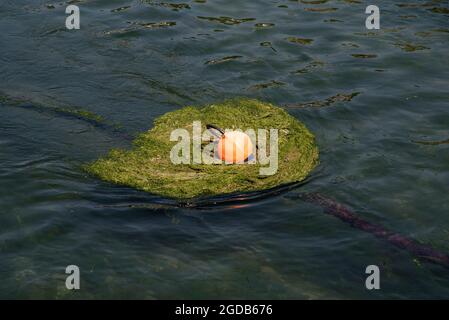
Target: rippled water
[(132, 61)]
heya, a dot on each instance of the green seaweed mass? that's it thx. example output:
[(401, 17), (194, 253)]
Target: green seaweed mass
[(147, 166)]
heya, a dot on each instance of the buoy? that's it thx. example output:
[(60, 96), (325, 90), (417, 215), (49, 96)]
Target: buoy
[(233, 146)]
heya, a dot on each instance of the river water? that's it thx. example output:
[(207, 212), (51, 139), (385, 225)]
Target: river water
[(377, 101)]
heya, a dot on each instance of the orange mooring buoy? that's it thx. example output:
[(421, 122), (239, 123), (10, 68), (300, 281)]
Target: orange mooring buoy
[(233, 146)]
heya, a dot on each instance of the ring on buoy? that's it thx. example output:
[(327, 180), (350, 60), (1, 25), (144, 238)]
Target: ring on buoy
[(233, 146)]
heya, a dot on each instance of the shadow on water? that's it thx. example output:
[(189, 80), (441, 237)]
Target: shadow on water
[(122, 199)]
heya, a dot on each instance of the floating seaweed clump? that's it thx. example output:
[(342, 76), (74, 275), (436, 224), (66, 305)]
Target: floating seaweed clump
[(226, 20), (269, 84), (172, 6), (222, 60), (311, 66), (162, 24), (432, 143), (440, 10), (175, 6), (364, 56), (302, 41), (120, 9), (333, 20), (409, 47), (320, 10), (136, 26), (314, 1), (268, 44), (340, 97), (147, 166)]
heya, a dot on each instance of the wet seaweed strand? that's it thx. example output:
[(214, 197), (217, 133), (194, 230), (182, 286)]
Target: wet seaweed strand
[(432, 143), (88, 117), (330, 206)]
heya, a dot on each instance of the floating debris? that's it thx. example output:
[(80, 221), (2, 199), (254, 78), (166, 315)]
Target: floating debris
[(264, 25), (268, 44), (153, 25), (350, 45), (222, 60), (120, 31), (414, 5), (431, 32), (424, 34), (136, 26), (333, 20), (272, 83), (320, 10), (314, 1), (440, 10), (120, 9), (226, 20), (409, 47), (325, 103), (364, 56), (367, 34), (312, 65), (53, 31), (440, 30), (172, 6), (432, 143), (302, 41), (147, 166), (175, 6)]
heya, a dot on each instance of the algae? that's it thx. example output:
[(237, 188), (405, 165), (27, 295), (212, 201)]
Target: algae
[(340, 97), (310, 67), (265, 85), (321, 10), (364, 56), (268, 44), (51, 106), (409, 47), (222, 60), (302, 41), (120, 9), (440, 10), (314, 1), (432, 143), (226, 20), (175, 6), (147, 166)]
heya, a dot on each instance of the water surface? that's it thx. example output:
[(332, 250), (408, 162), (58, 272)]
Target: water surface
[(132, 61)]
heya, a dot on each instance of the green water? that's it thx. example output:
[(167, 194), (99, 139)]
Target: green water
[(146, 58)]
